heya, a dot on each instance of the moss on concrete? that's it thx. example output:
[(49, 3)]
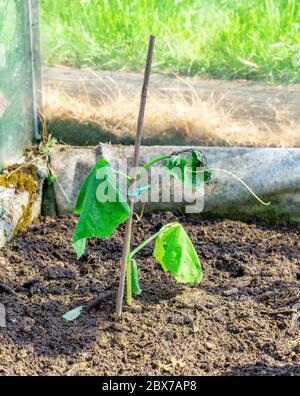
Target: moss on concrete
[(25, 220), (24, 179)]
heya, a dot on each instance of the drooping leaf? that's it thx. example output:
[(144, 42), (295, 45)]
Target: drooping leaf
[(100, 205), (82, 193), (177, 167), (176, 254), (199, 161), (79, 246), (191, 168), (73, 314), (135, 279)]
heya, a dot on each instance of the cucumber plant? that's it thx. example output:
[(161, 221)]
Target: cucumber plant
[(101, 217)]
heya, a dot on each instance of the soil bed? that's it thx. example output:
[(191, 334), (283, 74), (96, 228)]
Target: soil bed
[(237, 322)]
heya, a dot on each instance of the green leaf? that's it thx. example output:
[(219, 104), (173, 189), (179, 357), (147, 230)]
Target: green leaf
[(73, 314), (79, 247), (51, 179), (100, 205), (176, 254), (44, 149), (83, 190), (199, 161), (176, 166), (191, 169), (52, 142), (135, 279)]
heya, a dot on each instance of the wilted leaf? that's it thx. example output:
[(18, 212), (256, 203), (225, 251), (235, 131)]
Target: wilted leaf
[(176, 254), (199, 162), (191, 169), (177, 167), (98, 217)]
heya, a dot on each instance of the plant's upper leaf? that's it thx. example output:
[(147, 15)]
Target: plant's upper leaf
[(176, 254), (135, 279), (98, 218), (82, 193), (192, 170), (199, 161), (177, 167)]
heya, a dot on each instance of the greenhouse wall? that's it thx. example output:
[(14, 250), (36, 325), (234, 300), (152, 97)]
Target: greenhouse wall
[(19, 77)]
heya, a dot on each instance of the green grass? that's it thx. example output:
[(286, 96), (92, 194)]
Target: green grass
[(194, 37)]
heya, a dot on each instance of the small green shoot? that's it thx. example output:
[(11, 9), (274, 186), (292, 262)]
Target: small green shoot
[(135, 285)]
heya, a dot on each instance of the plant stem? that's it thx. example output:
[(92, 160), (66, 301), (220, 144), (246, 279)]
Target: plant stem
[(158, 159), (142, 245), (128, 282), (151, 163), (128, 178), (138, 139), (152, 238)]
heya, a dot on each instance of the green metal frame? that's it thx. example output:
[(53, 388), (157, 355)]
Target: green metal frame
[(20, 78)]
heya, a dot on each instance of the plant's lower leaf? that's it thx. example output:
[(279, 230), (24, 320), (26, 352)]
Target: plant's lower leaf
[(73, 314), (135, 279), (100, 205), (79, 247), (176, 254)]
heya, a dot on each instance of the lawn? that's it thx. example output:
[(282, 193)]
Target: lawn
[(255, 39)]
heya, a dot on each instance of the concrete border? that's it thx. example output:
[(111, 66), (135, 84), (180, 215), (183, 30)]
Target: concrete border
[(19, 208), (274, 174)]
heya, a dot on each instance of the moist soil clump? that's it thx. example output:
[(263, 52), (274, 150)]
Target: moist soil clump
[(241, 320)]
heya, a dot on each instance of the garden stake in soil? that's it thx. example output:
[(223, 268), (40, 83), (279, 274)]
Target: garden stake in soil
[(125, 256)]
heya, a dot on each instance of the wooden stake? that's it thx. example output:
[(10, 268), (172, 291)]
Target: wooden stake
[(138, 139)]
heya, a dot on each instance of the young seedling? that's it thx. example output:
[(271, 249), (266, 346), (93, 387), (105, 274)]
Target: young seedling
[(100, 218)]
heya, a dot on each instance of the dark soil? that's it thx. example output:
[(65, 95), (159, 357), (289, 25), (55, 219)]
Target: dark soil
[(238, 321)]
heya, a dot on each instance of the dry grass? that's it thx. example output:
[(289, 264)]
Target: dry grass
[(178, 119)]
